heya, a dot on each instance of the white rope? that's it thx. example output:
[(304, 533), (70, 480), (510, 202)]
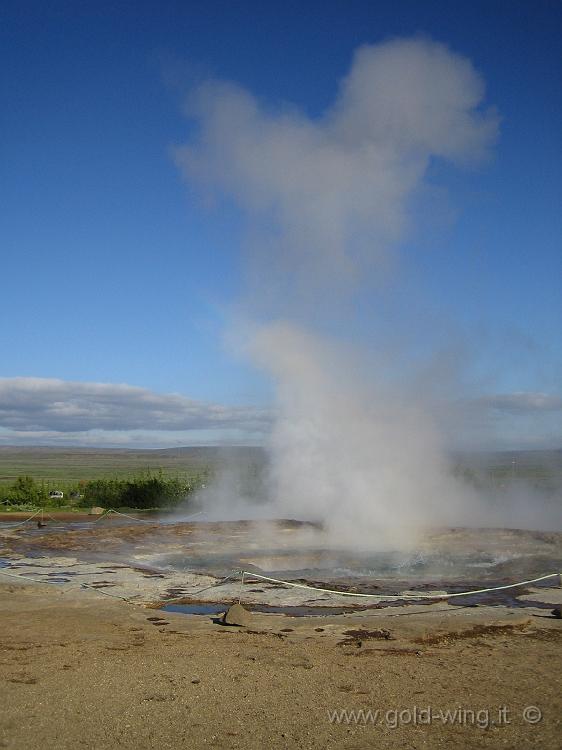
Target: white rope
[(193, 515), (399, 596), (105, 593), (82, 585), (48, 515), (229, 577), (140, 520), (103, 515), (107, 512), (22, 575)]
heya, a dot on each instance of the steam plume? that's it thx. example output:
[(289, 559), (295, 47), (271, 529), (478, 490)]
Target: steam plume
[(326, 197)]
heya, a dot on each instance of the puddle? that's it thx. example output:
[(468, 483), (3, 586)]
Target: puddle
[(505, 599), (196, 609), (218, 609)]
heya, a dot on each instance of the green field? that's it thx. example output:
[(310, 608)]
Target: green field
[(72, 465)]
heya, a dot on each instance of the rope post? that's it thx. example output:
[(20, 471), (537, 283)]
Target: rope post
[(241, 587)]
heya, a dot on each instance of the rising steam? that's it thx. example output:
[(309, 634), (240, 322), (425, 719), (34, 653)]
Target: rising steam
[(326, 200)]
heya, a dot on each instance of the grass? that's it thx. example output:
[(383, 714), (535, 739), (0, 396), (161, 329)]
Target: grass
[(65, 468)]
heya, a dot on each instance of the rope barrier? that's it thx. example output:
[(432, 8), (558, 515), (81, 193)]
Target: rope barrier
[(40, 510), (103, 515), (21, 523), (244, 573), (117, 596), (82, 585), (144, 520), (106, 593), (126, 515), (417, 595), (21, 575), (229, 577), (193, 515)]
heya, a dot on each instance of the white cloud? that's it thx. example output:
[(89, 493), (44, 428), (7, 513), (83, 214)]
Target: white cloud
[(49, 410)]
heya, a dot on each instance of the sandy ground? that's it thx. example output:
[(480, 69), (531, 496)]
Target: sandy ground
[(82, 670)]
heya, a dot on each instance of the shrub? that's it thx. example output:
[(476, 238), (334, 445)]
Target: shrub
[(26, 490), (147, 491)]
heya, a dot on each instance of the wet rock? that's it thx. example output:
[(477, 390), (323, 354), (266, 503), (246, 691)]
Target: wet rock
[(557, 613), (237, 615)]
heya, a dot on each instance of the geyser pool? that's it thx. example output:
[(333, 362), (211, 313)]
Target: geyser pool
[(451, 559)]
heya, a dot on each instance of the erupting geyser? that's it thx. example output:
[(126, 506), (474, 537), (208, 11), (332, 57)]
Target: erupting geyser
[(327, 202), (363, 459)]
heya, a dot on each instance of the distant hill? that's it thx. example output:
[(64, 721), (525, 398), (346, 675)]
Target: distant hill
[(529, 458)]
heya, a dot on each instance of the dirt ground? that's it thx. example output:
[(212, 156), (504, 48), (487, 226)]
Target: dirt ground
[(81, 670)]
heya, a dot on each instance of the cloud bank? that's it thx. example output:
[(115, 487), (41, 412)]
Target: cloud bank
[(39, 409)]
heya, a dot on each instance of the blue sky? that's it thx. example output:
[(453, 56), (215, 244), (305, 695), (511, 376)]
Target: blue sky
[(116, 272)]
